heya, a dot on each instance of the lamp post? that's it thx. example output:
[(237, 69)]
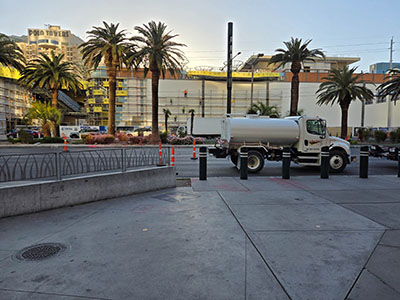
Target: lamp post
[(252, 76)]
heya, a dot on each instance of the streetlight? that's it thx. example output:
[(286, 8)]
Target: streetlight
[(252, 76)]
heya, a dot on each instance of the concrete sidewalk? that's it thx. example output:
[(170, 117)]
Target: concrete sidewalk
[(264, 238)]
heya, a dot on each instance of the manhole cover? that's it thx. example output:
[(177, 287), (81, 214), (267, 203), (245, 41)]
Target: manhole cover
[(40, 251)]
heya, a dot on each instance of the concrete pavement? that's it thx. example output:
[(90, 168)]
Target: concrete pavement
[(264, 238)]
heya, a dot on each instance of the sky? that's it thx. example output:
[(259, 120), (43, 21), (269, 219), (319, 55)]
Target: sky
[(351, 28)]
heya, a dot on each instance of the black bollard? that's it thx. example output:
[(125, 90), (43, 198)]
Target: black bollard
[(243, 162), (325, 162), (364, 161), (286, 163), (203, 163), (398, 162)]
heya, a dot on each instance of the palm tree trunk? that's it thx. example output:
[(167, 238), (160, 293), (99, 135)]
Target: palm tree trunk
[(112, 79), (54, 98), (294, 93), (155, 135), (166, 123), (345, 110)]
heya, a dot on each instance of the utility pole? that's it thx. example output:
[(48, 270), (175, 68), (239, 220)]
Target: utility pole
[(389, 117), (229, 68)]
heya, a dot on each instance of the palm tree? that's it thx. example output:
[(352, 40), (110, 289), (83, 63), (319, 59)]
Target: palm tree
[(391, 87), (264, 110), (111, 46), (158, 53), (10, 54), (51, 73), (167, 113), (342, 86), (191, 112), (296, 54), (47, 115)]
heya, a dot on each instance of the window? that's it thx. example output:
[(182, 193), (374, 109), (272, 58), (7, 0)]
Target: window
[(43, 41), (32, 42), (54, 42), (307, 69), (316, 127)]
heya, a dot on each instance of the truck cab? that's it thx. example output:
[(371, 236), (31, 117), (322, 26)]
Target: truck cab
[(266, 138)]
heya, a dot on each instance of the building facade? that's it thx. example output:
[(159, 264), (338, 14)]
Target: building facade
[(382, 67), (52, 38), (15, 101)]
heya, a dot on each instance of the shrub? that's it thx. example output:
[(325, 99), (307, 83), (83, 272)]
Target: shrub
[(134, 140), (395, 136), (25, 137), (122, 137), (51, 140), (380, 136), (364, 134), (99, 139), (188, 140), (164, 137)]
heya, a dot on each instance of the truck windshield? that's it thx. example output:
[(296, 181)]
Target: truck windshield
[(316, 127)]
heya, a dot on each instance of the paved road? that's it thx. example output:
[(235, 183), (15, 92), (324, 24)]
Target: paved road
[(219, 167)]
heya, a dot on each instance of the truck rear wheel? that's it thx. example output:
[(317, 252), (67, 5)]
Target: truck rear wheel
[(337, 161), (255, 162)]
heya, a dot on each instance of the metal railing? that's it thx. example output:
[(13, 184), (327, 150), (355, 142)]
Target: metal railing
[(59, 164)]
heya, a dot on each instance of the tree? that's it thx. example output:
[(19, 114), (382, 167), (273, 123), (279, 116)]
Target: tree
[(157, 53), (191, 112), (296, 54), (111, 46), (342, 86), (167, 113), (391, 87), (10, 54), (47, 115), (51, 73), (264, 110)]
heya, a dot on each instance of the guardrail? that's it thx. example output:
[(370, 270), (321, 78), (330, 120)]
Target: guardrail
[(17, 167)]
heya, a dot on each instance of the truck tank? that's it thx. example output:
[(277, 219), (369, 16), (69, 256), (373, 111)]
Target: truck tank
[(282, 132)]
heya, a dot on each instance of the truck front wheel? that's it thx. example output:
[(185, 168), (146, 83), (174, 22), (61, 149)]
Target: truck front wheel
[(255, 162), (337, 161)]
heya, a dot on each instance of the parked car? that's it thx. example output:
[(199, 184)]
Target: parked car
[(14, 133)]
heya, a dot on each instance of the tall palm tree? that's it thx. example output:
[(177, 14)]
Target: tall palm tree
[(191, 112), (342, 86), (296, 53), (158, 53), (10, 54), (110, 46), (264, 110), (51, 73), (47, 115), (391, 87), (167, 113)]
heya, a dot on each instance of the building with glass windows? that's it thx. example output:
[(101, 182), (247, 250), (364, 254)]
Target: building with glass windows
[(53, 38)]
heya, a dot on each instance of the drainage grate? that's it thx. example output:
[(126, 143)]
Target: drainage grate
[(40, 251)]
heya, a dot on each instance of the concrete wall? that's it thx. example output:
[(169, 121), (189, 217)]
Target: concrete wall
[(35, 197)]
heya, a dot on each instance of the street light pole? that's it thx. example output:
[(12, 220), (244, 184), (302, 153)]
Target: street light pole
[(252, 77)]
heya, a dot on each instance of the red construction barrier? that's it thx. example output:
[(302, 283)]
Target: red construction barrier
[(160, 163)]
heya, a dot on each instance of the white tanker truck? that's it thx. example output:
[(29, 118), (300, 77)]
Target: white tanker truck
[(265, 138)]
